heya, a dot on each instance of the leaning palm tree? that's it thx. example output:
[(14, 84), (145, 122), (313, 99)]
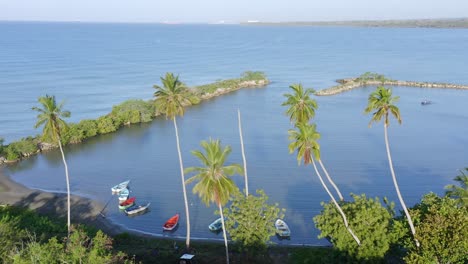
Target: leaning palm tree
[(50, 116), (381, 104), (243, 154), (304, 141), (301, 106), (213, 184), (301, 110), (170, 100)]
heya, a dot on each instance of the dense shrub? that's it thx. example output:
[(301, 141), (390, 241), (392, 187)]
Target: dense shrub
[(133, 111), (370, 221), (105, 124), (441, 228), (89, 128), (1, 145), (250, 221), (22, 148)]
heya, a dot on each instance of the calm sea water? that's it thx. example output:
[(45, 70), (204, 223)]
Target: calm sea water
[(94, 66)]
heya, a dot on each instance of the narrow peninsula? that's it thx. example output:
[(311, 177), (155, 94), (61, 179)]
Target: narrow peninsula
[(374, 79)]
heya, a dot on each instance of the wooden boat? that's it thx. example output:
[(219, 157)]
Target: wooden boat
[(171, 223), (119, 187), (127, 203), (135, 209), (282, 229), (216, 225), (123, 195)]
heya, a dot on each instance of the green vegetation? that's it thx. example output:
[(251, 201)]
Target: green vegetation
[(459, 193), (371, 76), (250, 222), (230, 84), (371, 221), (132, 111)]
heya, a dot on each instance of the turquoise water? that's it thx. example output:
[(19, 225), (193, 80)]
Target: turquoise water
[(94, 66)]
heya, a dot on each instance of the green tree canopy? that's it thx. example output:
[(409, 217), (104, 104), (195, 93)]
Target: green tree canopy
[(250, 220), (459, 193), (301, 106)]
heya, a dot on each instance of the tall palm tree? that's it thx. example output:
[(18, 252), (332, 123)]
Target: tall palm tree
[(170, 99), (213, 184), (50, 116), (304, 140), (301, 106), (301, 109), (381, 104), (243, 154)]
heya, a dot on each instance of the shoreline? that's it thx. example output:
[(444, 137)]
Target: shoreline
[(84, 210)]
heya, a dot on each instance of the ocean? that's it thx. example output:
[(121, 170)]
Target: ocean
[(95, 66)]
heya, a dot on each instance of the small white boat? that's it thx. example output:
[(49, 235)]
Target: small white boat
[(119, 187), (282, 229), (123, 195), (136, 209), (216, 225)]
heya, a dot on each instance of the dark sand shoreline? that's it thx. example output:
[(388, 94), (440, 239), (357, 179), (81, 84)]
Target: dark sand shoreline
[(83, 210)]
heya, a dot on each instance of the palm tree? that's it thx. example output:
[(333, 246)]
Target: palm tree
[(170, 99), (301, 110), (50, 116), (243, 154), (304, 140), (382, 104), (213, 184), (459, 193), (301, 106)]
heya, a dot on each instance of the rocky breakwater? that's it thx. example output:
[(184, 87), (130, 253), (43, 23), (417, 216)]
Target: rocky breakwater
[(244, 84), (352, 83)]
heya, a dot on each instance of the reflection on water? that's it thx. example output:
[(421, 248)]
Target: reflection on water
[(353, 153)]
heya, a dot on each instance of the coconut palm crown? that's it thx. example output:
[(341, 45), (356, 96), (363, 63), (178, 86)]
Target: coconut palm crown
[(301, 106), (213, 184), (51, 117), (304, 140), (383, 103)]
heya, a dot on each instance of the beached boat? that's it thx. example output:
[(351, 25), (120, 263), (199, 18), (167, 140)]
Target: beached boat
[(119, 187), (127, 203), (171, 223), (282, 229), (123, 195), (216, 225), (136, 209)]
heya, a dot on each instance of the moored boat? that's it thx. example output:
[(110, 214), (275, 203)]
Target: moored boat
[(135, 209), (127, 203), (216, 225), (119, 187), (123, 195), (282, 229), (171, 223)]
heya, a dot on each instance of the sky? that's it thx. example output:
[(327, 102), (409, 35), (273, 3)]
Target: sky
[(209, 11)]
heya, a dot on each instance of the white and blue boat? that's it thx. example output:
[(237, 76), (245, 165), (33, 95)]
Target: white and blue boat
[(123, 195), (216, 225), (119, 187)]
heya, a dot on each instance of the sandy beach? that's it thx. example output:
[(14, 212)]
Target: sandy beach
[(83, 210)]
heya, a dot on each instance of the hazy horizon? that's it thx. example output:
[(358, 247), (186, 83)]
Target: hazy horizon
[(212, 11)]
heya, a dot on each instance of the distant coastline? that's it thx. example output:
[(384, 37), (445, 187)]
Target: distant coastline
[(407, 23)]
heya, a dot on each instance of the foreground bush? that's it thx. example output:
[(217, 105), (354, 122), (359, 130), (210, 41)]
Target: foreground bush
[(442, 229), (371, 221)]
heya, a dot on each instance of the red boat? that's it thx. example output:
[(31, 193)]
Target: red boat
[(171, 223), (127, 203)]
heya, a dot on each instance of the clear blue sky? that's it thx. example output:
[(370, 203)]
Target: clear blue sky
[(228, 10)]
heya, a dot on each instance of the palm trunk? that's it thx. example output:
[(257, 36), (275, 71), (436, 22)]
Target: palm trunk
[(243, 155), (68, 186), (336, 204), (224, 232), (187, 241), (390, 163), (330, 180)]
